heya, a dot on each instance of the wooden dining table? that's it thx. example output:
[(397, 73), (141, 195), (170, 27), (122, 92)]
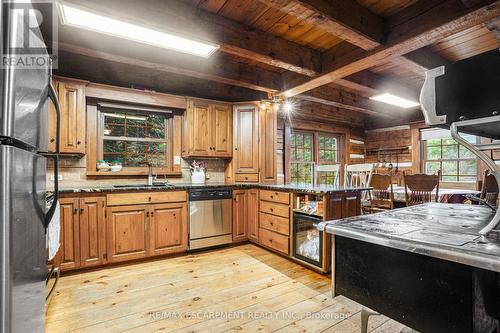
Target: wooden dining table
[(446, 195)]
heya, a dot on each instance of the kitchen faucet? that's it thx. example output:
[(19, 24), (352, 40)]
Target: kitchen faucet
[(150, 173)]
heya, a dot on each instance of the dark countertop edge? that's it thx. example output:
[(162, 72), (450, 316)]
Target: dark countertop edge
[(177, 187), (479, 260)]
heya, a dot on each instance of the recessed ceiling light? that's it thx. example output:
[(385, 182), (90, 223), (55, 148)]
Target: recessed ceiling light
[(84, 19), (288, 107), (395, 100)]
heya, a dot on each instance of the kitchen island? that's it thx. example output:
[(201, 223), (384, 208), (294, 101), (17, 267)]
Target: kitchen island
[(424, 266)]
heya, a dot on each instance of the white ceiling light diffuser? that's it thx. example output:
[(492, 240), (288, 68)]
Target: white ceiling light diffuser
[(395, 100), (84, 19)]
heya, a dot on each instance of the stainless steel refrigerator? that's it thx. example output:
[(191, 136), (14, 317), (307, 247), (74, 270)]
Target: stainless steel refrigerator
[(25, 95)]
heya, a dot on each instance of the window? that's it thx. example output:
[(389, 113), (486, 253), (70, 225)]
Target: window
[(441, 152), (301, 157), (135, 138), (308, 149)]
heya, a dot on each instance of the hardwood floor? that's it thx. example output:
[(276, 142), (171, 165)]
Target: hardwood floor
[(244, 289)]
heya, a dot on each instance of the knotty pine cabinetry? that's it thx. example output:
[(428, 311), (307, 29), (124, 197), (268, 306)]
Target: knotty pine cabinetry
[(207, 129), (131, 226), (255, 143), (83, 238), (71, 95), (245, 215), (275, 217), (141, 225), (246, 143)]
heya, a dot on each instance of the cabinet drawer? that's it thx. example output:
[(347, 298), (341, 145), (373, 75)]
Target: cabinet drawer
[(275, 209), (275, 196), (246, 177), (273, 240), (145, 197), (275, 223)]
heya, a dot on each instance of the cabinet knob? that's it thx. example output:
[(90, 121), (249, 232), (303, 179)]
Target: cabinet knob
[(81, 210), (52, 140), (149, 198), (271, 209), (235, 148), (152, 214), (78, 142), (75, 210)]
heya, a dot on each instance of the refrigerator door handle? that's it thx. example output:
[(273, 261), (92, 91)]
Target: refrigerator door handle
[(53, 97)]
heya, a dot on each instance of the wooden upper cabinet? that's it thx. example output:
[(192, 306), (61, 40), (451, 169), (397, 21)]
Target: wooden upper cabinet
[(71, 97), (168, 228), (68, 256), (246, 139), (268, 144), (92, 231), (239, 216), (253, 215), (126, 232), (223, 128), (208, 130)]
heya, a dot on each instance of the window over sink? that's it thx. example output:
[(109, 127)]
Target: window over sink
[(135, 139)]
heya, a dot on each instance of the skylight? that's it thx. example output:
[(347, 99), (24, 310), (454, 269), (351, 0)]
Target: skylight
[(395, 100), (80, 18)]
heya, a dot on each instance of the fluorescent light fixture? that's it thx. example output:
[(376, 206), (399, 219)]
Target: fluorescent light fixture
[(395, 100), (84, 19)]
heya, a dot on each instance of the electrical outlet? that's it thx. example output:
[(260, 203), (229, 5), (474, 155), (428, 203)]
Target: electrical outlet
[(60, 177)]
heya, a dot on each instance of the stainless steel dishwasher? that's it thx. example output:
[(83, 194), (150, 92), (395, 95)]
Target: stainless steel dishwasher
[(210, 217)]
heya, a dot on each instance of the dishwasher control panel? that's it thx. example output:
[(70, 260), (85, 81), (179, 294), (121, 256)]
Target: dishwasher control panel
[(210, 194)]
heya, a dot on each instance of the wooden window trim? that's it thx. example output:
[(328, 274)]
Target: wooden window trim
[(441, 160), (95, 147), (288, 161)]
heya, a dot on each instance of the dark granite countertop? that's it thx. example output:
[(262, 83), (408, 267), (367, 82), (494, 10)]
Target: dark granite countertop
[(186, 186), (445, 231)]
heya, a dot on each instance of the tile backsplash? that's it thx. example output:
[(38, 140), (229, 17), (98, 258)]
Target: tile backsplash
[(73, 171)]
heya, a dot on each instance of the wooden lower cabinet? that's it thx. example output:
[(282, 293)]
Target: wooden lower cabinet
[(240, 216), (168, 228), (92, 232), (68, 256), (253, 215), (127, 234)]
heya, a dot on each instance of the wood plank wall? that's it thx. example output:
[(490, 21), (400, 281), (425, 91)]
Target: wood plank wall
[(387, 138)]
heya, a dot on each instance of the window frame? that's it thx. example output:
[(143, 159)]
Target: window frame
[(315, 151), (441, 160), (138, 170)]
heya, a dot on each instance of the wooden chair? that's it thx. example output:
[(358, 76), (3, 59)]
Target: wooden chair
[(359, 175), (381, 195), (335, 168), (422, 188), (489, 190)]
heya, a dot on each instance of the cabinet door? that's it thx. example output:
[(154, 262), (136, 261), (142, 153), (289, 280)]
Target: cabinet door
[(92, 232), (352, 205), (246, 139), (168, 228), (200, 139), (126, 232), (253, 215), (68, 256), (72, 104), (239, 216), (221, 131), (268, 158)]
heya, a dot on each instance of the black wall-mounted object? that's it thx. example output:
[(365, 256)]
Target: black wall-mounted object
[(467, 89)]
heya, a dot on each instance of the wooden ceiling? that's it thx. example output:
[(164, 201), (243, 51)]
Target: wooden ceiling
[(336, 53)]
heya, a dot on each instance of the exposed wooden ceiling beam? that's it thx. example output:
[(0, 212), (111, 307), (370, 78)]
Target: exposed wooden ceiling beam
[(346, 19), (233, 37), (445, 20), (232, 73)]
